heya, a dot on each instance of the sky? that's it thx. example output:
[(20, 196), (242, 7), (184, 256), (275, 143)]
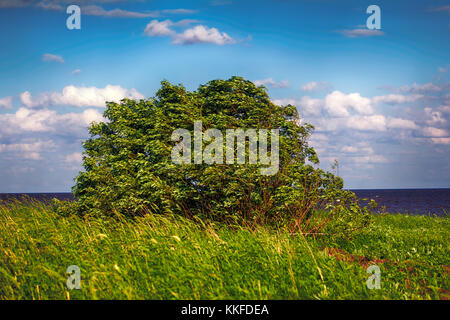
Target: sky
[(379, 98)]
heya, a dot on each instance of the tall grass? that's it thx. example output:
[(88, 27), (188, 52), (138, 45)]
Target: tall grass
[(168, 257)]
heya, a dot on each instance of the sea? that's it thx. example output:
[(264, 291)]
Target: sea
[(410, 201)]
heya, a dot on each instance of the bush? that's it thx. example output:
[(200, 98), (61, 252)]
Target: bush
[(129, 170)]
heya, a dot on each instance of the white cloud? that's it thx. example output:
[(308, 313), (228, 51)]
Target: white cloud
[(306, 105), (27, 150), (310, 106), (316, 86), (76, 71), (48, 57), (6, 102), (203, 34), (75, 157), (25, 98), (434, 132), (159, 28), (272, 83), (337, 104), (367, 123), (94, 10), (370, 159), (398, 123), (197, 34), (328, 124), (349, 149), (80, 96), (27, 120), (361, 33)]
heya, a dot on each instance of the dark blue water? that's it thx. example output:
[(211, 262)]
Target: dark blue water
[(44, 197), (413, 201)]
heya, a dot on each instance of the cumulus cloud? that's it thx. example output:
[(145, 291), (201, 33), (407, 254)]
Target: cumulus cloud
[(6, 102), (399, 123), (364, 132), (272, 83), (26, 120), (354, 33), (48, 57), (203, 34), (80, 96), (196, 34), (338, 104), (367, 123)]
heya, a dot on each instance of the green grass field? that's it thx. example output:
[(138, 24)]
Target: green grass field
[(159, 257)]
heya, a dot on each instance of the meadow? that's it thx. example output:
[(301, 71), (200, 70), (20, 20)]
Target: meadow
[(170, 257)]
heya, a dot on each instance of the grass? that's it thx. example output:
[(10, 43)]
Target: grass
[(166, 257)]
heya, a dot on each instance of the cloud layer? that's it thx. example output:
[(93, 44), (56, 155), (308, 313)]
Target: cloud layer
[(363, 132)]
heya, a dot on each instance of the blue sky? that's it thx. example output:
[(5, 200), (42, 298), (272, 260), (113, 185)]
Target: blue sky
[(379, 99)]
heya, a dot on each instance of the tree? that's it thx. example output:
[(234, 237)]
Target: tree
[(129, 169)]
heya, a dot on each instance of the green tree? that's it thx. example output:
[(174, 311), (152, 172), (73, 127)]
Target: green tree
[(129, 170)]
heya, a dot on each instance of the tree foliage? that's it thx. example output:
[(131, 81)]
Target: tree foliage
[(128, 168)]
